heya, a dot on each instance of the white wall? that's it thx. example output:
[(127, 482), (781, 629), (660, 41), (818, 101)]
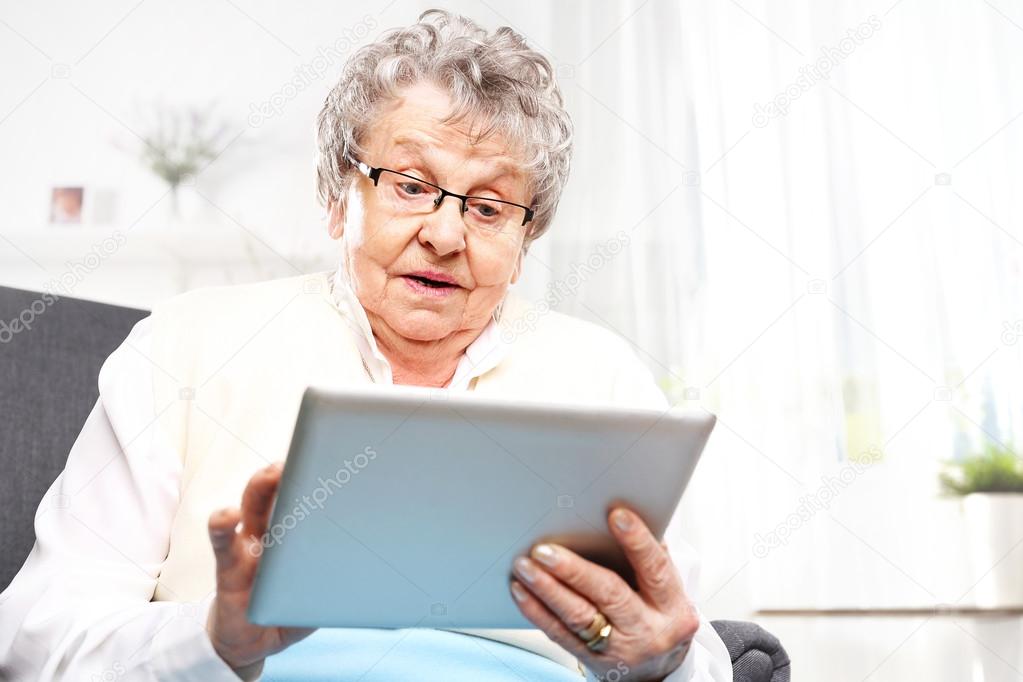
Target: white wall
[(80, 82)]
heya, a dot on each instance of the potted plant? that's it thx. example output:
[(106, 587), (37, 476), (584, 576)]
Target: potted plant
[(991, 486), (176, 144)]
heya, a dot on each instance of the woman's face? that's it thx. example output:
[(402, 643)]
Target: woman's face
[(385, 246)]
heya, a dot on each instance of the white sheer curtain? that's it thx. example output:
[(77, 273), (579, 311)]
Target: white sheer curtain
[(836, 281)]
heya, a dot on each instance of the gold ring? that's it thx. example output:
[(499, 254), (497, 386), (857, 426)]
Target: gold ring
[(594, 628), (596, 633), (599, 643)]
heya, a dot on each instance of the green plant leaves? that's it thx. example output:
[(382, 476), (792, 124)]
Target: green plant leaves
[(996, 470)]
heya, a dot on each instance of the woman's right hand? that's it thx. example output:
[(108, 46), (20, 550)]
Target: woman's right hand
[(241, 644)]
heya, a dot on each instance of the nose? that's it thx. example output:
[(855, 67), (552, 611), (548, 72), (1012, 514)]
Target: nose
[(443, 230)]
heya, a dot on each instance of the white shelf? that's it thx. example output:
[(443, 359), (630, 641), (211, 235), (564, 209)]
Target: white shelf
[(141, 265), (207, 245)]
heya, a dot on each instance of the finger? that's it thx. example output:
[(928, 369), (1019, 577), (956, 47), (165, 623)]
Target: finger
[(656, 575), (601, 586), (257, 500), (224, 539), (574, 610), (539, 615)]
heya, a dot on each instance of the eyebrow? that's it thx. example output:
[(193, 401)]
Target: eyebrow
[(411, 143), (505, 167)]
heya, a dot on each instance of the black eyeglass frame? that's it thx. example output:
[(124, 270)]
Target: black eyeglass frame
[(373, 174)]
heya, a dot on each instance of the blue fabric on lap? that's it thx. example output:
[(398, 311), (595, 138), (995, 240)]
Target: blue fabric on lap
[(343, 655)]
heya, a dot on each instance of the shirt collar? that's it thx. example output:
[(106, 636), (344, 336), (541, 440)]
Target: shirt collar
[(479, 357)]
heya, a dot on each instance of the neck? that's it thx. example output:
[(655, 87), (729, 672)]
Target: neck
[(420, 363)]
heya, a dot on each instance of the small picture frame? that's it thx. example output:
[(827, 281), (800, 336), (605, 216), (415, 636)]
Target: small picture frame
[(66, 205)]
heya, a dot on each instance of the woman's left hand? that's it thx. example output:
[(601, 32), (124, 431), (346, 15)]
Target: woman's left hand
[(561, 593)]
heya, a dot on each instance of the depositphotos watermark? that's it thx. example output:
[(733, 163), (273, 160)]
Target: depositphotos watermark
[(820, 499), (1012, 332), (813, 73), (310, 72), (616, 674), (75, 271), (307, 504), (111, 673), (568, 286)]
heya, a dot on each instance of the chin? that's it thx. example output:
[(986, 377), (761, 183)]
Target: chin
[(424, 325)]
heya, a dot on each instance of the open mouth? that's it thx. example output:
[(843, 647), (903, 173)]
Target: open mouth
[(432, 283)]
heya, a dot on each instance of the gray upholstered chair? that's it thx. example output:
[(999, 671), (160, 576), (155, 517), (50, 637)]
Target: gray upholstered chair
[(48, 386)]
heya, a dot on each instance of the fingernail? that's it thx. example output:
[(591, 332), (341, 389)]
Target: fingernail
[(223, 515), (525, 569), (518, 591), (621, 519), (546, 555)]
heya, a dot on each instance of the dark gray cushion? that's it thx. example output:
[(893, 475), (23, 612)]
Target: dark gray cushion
[(49, 361), (757, 655)]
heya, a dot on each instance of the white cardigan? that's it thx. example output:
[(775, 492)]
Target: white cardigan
[(200, 395)]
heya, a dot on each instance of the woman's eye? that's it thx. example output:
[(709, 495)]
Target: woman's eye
[(411, 188), (487, 210)]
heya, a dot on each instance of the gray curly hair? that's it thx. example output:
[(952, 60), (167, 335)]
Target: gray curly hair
[(496, 81)]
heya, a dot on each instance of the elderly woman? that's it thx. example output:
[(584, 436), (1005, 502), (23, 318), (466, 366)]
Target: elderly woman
[(443, 152)]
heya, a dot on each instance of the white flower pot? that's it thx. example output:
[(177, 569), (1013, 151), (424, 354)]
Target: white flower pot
[(994, 530)]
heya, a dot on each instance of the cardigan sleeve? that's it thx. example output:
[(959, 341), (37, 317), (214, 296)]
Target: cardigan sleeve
[(80, 607)]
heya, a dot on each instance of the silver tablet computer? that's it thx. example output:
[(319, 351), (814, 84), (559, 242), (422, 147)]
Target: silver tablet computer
[(405, 507)]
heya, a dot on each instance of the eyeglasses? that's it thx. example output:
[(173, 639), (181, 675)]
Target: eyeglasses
[(407, 194)]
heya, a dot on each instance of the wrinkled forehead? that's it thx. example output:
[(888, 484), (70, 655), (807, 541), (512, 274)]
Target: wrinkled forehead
[(418, 128)]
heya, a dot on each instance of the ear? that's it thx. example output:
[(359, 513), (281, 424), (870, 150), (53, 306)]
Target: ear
[(335, 219)]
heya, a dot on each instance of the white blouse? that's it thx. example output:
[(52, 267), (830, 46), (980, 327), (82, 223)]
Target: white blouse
[(80, 608)]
